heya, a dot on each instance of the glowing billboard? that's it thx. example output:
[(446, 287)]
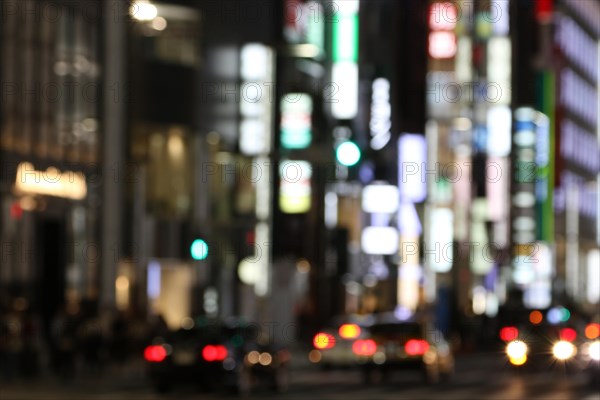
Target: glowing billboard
[(256, 70), (412, 151), (344, 71), (381, 240), (296, 121), (380, 199), (295, 186), (439, 243)]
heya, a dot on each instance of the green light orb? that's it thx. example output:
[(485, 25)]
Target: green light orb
[(348, 154), (199, 250), (565, 314)]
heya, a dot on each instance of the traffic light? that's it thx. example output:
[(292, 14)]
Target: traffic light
[(348, 154), (199, 249)]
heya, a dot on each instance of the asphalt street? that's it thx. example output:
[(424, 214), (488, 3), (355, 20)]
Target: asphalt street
[(477, 377)]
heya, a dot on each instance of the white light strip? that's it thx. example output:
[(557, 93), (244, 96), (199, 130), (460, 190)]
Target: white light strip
[(346, 7), (344, 94), (500, 15), (381, 114), (331, 210), (263, 189), (379, 240), (380, 199), (499, 124), (263, 281)]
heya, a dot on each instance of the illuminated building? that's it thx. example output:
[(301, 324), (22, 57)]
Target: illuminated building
[(50, 137), (570, 92), (362, 209), (468, 134), (162, 152)]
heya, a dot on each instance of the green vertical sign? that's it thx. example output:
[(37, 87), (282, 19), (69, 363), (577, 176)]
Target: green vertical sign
[(545, 173), (345, 38)]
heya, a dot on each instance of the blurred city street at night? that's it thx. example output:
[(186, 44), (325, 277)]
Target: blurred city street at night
[(336, 199)]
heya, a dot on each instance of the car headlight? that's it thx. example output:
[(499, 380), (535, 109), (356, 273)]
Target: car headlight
[(516, 349), (253, 357), (593, 350), (265, 359), (563, 350)]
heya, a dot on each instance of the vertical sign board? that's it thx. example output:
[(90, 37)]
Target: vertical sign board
[(295, 186), (412, 158), (296, 121), (439, 252), (380, 200), (524, 200), (344, 73), (380, 124), (538, 294), (412, 153), (442, 39), (305, 24), (256, 71), (544, 181)]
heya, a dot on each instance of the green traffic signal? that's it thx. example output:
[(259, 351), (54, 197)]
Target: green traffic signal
[(199, 249), (348, 154)]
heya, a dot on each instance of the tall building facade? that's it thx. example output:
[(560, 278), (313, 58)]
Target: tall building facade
[(50, 143)]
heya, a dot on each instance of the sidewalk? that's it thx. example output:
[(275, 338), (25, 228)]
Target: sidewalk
[(130, 375)]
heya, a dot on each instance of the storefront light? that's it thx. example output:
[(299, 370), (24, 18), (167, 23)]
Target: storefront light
[(143, 11)]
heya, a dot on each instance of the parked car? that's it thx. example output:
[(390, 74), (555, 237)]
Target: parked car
[(589, 352)]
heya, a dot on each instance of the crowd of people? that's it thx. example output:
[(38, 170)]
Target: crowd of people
[(76, 339)]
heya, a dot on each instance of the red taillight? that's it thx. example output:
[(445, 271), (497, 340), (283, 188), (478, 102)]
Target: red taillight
[(366, 347), (212, 353), (509, 333), (568, 334), (155, 353), (416, 347), (349, 331), (323, 341)]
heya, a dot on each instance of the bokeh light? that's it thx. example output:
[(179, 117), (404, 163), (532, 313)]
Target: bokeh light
[(564, 350), (348, 154), (509, 333), (349, 331), (592, 331), (366, 347), (535, 317), (323, 341), (199, 250)]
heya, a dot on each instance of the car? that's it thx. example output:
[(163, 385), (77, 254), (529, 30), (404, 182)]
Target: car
[(589, 352), (233, 355), (266, 364), (332, 346), (405, 345), (541, 345)]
